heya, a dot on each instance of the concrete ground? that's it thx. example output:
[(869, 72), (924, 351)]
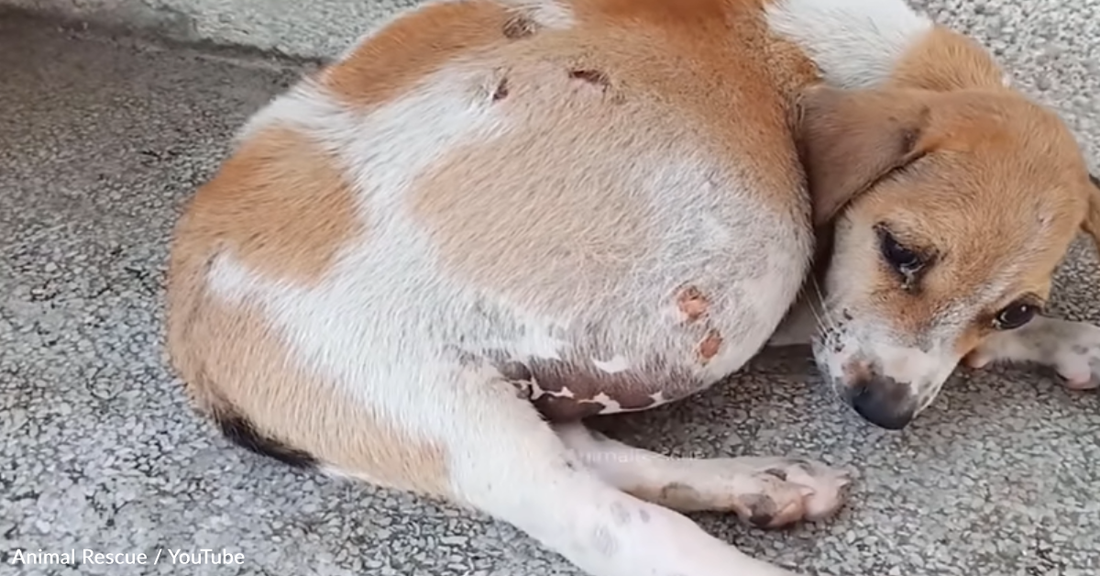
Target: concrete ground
[(311, 29), (100, 141)]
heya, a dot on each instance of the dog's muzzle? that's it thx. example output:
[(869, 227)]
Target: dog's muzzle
[(882, 401)]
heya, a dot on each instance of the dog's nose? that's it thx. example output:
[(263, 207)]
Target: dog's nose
[(883, 402)]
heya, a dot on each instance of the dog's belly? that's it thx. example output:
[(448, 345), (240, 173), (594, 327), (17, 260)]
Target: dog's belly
[(565, 391), (636, 361)]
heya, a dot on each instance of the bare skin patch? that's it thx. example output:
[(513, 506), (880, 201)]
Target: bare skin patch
[(692, 303), (566, 390), (594, 77), (711, 345), (560, 408), (280, 204), (501, 91)]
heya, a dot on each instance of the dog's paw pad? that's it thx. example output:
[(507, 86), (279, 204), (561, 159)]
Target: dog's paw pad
[(1080, 372), (1076, 357), (786, 491), (824, 489)]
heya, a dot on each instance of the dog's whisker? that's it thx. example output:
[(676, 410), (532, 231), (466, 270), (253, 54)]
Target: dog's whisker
[(825, 319)]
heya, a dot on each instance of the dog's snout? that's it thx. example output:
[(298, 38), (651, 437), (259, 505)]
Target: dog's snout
[(882, 401)]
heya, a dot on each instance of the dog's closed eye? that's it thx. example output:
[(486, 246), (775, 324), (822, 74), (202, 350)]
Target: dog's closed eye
[(906, 261)]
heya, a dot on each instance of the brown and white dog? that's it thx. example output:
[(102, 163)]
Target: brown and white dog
[(423, 266)]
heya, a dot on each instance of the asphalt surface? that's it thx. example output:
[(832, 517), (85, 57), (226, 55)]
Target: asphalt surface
[(102, 138)]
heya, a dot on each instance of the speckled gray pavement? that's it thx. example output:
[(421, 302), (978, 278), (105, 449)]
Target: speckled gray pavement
[(100, 141)]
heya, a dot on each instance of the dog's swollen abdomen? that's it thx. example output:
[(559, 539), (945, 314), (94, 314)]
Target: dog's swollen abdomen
[(242, 432)]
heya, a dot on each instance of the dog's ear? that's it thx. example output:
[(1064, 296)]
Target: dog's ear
[(1091, 224), (849, 140)]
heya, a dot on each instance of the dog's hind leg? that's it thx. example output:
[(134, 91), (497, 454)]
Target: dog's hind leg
[(506, 461), (767, 492)]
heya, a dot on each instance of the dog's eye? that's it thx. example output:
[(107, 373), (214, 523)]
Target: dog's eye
[(1015, 315), (902, 259)]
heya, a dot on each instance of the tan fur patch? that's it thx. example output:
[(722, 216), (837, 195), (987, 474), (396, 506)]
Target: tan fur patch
[(529, 230), (529, 213), (717, 62), (233, 361), (280, 205), (946, 60), (417, 45), (546, 220)]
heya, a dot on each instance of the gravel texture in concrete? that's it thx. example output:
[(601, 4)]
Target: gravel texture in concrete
[(301, 28), (100, 141)]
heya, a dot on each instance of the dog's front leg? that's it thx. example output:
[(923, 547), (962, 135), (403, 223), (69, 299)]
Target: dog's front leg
[(509, 463), (766, 492), (1071, 348)]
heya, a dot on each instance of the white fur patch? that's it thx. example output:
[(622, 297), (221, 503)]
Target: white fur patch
[(855, 43)]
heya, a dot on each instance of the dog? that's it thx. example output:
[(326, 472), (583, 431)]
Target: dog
[(428, 264)]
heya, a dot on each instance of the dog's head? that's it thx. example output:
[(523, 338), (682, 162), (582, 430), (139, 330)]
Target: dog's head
[(946, 213)]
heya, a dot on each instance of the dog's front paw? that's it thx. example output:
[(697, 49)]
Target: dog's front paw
[(1070, 348), (765, 492)]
